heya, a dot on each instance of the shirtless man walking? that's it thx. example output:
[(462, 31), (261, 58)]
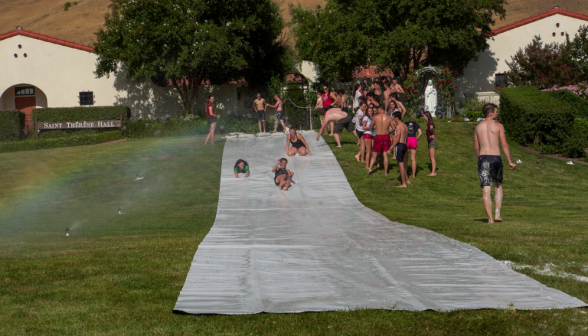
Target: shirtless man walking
[(259, 105), (401, 149), (488, 135), (383, 125), (342, 119)]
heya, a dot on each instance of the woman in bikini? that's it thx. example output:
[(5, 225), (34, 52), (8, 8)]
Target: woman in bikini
[(298, 143), (211, 118), (367, 136), (279, 106)]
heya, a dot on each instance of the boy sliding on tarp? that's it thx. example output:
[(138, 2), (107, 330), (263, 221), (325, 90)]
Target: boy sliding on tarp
[(283, 176)]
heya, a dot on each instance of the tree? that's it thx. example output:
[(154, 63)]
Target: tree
[(579, 51), (393, 34), (188, 42), (542, 65)]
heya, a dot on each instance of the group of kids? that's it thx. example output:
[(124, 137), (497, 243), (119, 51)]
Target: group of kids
[(377, 125)]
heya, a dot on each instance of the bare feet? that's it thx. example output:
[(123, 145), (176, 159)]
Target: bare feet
[(369, 171), (339, 146), (401, 186), (490, 221), (498, 220), (432, 174), (357, 157), (408, 182)]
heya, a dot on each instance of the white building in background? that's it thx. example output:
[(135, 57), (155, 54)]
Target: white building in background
[(42, 71), (481, 76)]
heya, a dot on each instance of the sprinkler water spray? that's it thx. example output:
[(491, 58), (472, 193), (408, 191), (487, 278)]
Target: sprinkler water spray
[(120, 211), (139, 178), (67, 232)]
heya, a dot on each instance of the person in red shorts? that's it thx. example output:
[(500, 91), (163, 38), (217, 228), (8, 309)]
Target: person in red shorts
[(383, 125)]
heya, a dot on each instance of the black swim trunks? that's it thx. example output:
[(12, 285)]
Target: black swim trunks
[(400, 151), (490, 169), (211, 120), (260, 115), (279, 115), (346, 123)]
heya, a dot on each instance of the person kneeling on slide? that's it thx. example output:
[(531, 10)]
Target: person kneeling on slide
[(283, 176), (298, 143), (241, 167)]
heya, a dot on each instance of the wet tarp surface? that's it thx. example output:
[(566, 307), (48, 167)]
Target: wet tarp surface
[(317, 248)]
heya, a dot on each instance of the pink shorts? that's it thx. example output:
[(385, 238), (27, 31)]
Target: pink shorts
[(411, 143)]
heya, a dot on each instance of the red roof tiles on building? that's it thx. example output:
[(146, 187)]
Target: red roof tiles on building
[(46, 38), (538, 17)]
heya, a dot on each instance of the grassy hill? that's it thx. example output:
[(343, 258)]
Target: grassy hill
[(121, 274), (81, 21)]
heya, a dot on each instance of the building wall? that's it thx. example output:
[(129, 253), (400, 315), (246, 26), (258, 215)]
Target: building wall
[(61, 73), (478, 78)]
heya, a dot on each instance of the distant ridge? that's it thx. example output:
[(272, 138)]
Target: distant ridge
[(81, 21)]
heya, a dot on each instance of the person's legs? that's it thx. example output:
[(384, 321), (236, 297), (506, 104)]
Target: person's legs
[(403, 177), (359, 156), (208, 136), (286, 184), (385, 155), (292, 151), (497, 202), (283, 125), (357, 137), (405, 164), (259, 124), (433, 162), (280, 180), (367, 145), (332, 124), (276, 126), (487, 198), (302, 151), (263, 123), (413, 162)]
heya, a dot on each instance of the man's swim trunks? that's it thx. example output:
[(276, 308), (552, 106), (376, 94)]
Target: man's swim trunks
[(346, 123), (382, 143), (400, 151), (490, 169), (260, 115), (279, 115)]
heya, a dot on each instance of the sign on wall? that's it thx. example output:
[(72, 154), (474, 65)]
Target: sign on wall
[(64, 125)]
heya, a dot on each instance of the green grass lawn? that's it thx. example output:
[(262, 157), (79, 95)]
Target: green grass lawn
[(121, 274)]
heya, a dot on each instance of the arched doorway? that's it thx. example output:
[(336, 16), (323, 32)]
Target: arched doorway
[(23, 97)]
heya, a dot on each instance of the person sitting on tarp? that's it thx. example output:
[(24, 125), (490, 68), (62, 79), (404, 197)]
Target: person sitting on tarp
[(283, 176), (241, 167)]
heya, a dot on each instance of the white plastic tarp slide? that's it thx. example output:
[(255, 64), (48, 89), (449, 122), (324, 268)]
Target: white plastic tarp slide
[(317, 248)]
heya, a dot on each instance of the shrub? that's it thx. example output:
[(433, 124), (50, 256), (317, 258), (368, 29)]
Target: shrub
[(577, 142), (175, 126), (78, 114), (11, 125), (579, 104), (532, 116), (32, 144)]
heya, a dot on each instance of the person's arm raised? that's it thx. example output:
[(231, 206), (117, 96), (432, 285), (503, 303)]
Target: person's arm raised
[(305, 144), (402, 108), (505, 148), (276, 166)]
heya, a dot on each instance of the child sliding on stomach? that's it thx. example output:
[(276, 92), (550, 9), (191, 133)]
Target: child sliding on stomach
[(283, 176), (241, 167)]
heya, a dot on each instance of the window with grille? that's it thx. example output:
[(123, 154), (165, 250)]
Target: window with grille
[(86, 98), (25, 91), (499, 79)]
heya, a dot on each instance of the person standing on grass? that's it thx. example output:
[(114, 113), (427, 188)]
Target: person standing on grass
[(401, 148), (211, 118), (343, 99), (259, 105), (298, 143), (358, 120), (488, 135), (432, 140), (279, 106), (414, 133), (382, 123), (356, 95), (367, 137)]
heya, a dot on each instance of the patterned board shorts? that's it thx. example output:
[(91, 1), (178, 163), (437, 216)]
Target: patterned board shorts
[(490, 169)]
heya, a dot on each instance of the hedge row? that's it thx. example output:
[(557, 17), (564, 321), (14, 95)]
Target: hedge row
[(32, 144), (579, 104), (11, 125), (532, 116), (78, 114)]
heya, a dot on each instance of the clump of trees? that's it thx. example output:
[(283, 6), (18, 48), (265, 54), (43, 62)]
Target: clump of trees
[(184, 43), (393, 34), (547, 65)]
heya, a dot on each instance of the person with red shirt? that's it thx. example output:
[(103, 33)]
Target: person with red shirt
[(211, 118)]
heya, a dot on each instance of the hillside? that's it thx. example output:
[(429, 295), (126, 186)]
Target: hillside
[(81, 21)]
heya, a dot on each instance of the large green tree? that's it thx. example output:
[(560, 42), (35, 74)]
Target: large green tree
[(393, 34), (188, 42)]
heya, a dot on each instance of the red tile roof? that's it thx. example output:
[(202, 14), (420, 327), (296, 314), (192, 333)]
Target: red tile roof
[(538, 17), (370, 72), (46, 38)]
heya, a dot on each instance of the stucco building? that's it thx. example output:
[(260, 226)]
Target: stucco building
[(481, 76), (37, 70)]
